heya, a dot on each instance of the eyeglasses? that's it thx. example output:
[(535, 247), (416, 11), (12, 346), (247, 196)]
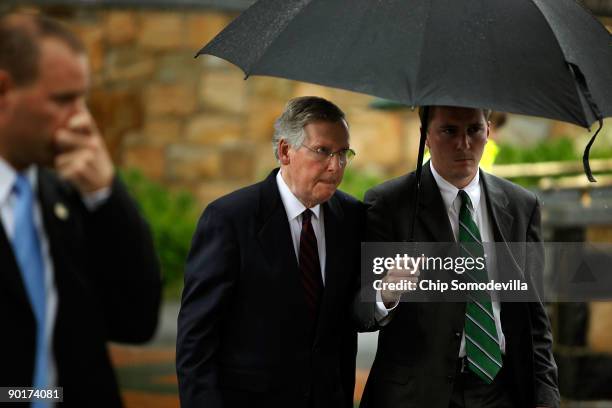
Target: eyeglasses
[(323, 154)]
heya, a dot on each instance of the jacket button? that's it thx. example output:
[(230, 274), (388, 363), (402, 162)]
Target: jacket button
[(457, 334)]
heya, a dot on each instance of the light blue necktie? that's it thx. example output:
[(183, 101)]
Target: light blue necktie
[(27, 250)]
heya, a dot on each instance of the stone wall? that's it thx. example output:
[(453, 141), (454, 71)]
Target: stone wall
[(195, 123)]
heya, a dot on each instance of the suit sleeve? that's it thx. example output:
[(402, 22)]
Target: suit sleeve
[(349, 333), (545, 369), (121, 254), (210, 273), (378, 226), (377, 229)]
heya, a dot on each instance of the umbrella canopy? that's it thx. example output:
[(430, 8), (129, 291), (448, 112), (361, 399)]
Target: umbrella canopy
[(548, 58)]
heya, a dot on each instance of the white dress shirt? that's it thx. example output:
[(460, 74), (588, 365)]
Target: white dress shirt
[(452, 204), (294, 209), (7, 207)]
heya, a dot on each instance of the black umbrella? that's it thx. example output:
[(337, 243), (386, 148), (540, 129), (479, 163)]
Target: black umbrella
[(521, 56), (548, 58)]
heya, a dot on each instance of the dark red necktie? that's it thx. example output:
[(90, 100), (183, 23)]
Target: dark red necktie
[(310, 267)]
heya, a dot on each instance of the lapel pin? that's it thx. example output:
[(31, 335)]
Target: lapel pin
[(61, 211)]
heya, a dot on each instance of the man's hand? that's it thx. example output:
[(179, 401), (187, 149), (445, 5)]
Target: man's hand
[(83, 158), (395, 275)]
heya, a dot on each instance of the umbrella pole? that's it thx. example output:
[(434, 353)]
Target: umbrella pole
[(418, 172)]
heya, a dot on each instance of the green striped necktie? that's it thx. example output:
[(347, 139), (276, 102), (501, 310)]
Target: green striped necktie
[(481, 340)]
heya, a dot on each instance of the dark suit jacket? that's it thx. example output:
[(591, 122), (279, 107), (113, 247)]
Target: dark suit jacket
[(242, 337), (418, 349), (108, 287)]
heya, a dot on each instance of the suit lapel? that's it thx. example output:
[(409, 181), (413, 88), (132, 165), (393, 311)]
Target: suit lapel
[(53, 228), (11, 275), (273, 231), (497, 204), (333, 216), (502, 221), (56, 220), (432, 220)]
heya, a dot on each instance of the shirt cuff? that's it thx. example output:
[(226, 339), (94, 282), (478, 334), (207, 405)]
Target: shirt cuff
[(96, 199), (382, 313)]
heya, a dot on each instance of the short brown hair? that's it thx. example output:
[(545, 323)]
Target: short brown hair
[(20, 36), (425, 120)]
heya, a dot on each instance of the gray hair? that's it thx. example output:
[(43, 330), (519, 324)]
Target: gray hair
[(298, 113)]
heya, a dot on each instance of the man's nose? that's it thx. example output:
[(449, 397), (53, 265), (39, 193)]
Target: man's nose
[(79, 106), (335, 163), (463, 142)]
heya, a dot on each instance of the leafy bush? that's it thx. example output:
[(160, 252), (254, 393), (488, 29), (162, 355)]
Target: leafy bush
[(560, 149), (172, 217), (547, 150), (356, 182)]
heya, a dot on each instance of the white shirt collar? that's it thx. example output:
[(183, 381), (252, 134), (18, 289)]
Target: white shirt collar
[(449, 191), (8, 176), (293, 206)]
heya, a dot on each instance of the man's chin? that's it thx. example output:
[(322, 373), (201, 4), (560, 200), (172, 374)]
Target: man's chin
[(325, 194), (465, 162), (466, 167)]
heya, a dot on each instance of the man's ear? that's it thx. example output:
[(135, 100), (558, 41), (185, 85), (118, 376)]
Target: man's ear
[(283, 152)]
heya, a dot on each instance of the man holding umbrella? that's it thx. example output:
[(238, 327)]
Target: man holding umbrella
[(427, 355)]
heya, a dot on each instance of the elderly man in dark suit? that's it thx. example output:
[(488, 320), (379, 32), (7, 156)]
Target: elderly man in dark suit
[(471, 354), (265, 315), (77, 265)]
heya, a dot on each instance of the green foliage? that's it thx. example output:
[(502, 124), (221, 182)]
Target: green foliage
[(172, 217), (560, 149), (546, 150), (356, 182)]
